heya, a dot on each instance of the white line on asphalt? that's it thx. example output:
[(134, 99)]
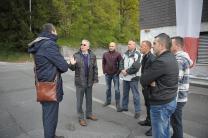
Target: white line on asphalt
[(102, 102), (113, 107)]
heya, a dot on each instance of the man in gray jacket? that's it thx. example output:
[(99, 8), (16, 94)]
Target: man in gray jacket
[(84, 64), (129, 66)]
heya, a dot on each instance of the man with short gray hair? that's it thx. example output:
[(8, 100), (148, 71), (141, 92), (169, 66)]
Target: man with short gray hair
[(84, 63), (129, 66)]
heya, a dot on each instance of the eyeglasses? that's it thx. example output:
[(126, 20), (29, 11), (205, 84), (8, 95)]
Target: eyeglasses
[(83, 45)]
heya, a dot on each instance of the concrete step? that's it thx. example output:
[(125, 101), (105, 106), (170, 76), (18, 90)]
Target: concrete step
[(197, 81)]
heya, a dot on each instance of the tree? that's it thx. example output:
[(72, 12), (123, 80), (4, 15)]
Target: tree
[(129, 20), (100, 21), (14, 25)]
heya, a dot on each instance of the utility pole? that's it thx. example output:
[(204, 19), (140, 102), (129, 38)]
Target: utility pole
[(30, 14)]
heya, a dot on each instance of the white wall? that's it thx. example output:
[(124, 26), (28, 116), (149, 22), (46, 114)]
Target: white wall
[(149, 34)]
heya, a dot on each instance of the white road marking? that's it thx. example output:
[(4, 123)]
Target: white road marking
[(101, 102), (113, 107)]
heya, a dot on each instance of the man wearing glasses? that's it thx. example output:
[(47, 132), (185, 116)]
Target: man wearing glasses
[(84, 64)]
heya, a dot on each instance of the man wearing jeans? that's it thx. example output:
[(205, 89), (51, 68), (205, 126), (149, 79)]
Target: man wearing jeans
[(162, 77), (184, 63), (130, 66), (110, 64)]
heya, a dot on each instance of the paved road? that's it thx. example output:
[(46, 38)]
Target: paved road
[(20, 114)]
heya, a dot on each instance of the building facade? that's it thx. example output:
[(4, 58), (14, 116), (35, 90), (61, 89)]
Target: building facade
[(159, 16)]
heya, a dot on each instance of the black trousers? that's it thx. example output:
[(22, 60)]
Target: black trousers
[(50, 118), (176, 120), (145, 93)]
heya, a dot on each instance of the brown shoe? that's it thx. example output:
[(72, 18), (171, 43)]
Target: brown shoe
[(83, 122), (92, 117)]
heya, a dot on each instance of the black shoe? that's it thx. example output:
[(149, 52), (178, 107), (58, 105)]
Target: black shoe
[(149, 132), (106, 104), (136, 115), (119, 109), (124, 110), (145, 123)]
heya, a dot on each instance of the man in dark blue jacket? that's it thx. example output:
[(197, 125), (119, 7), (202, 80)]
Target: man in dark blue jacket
[(48, 63), (162, 76)]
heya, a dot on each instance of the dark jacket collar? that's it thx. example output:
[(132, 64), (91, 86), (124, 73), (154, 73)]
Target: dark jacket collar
[(89, 51), (165, 52), (112, 51)]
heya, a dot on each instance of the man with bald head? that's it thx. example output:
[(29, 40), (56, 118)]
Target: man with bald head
[(130, 66), (110, 64)]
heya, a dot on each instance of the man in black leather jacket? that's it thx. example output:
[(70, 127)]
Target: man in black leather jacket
[(162, 76)]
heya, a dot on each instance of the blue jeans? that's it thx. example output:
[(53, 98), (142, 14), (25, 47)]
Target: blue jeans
[(133, 85), (108, 79), (176, 121), (160, 119)]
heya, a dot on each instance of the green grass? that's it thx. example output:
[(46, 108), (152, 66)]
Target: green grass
[(11, 56), (15, 56)]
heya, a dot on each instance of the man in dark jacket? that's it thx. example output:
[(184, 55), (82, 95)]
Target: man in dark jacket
[(48, 63), (147, 60), (110, 64), (84, 64), (162, 75)]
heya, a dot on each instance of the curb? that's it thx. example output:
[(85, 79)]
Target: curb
[(199, 82)]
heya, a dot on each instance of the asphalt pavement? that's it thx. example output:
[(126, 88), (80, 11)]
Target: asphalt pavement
[(20, 114)]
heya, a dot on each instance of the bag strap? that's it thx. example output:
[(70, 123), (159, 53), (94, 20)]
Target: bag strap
[(36, 78)]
